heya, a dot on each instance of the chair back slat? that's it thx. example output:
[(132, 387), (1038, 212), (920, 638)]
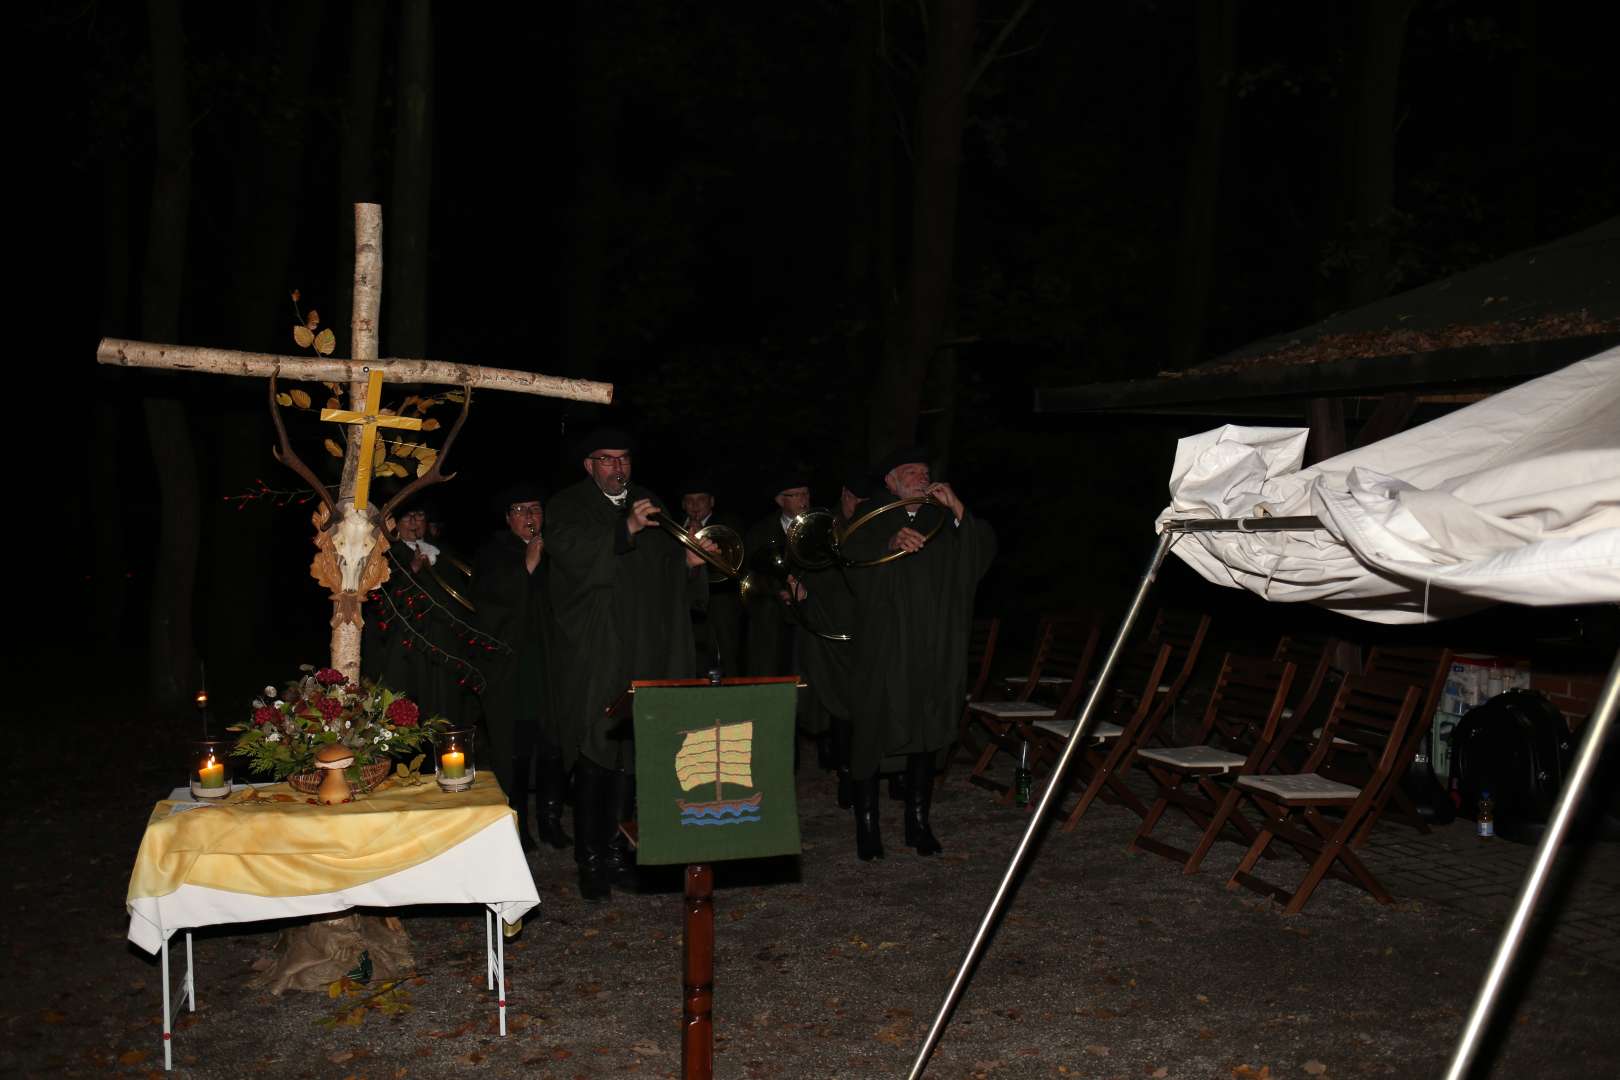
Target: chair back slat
[(981, 655), (1247, 700), (1371, 712), (1426, 668)]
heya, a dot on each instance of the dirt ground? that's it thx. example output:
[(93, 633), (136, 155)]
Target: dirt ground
[(1108, 964)]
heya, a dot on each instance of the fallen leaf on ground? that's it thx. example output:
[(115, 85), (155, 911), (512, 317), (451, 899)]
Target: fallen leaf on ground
[(132, 1057), (340, 1057), (1315, 1068), (1249, 1072), (1160, 1073), (1097, 1049)]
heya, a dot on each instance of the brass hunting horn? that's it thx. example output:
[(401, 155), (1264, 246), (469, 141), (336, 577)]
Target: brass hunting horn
[(816, 540)]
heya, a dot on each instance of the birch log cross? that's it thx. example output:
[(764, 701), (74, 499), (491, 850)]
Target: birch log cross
[(350, 560)]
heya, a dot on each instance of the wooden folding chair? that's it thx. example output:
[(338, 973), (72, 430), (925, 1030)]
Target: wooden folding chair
[(981, 654), (1313, 659), (1244, 710), (1166, 660), (1046, 680), (1066, 646), (1369, 711), (1427, 669)]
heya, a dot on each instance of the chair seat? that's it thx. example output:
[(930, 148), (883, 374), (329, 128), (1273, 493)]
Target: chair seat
[(1300, 787), (1022, 710), (1065, 728), (1042, 680), (1317, 734), (1195, 757)]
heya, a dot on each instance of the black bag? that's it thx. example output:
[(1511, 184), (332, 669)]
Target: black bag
[(1518, 747)]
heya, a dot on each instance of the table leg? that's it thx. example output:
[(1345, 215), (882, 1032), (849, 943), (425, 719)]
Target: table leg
[(168, 1048), (500, 976), (489, 949), (191, 986)]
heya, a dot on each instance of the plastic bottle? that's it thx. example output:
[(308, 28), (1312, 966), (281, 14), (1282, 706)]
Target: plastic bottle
[(1023, 779), (1487, 814)]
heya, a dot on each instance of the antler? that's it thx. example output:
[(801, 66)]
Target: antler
[(287, 457), (435, 474)]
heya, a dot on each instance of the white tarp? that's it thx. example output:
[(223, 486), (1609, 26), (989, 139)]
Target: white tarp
[(1514, 499)]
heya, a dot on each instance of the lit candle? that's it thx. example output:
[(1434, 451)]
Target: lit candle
[(212, 773), (453, 763)]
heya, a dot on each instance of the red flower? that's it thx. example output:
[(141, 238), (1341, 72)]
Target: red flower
[(403, 712), (329, 676), (331, 708), (264, 714)]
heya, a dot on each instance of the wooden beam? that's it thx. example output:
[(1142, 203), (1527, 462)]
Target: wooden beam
[(1445, 371), (121, 353)]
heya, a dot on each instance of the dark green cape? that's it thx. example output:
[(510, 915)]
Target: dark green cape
[(514, 607), (622, 611), (770, 633), (911, 633)]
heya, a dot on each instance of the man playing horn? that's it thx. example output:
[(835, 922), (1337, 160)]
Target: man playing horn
[(622, 591), (914, 614)]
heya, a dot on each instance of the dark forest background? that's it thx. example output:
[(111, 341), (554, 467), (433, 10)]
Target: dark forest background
[(790, 233)]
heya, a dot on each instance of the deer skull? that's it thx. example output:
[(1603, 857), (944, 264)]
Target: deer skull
[(348, 559)]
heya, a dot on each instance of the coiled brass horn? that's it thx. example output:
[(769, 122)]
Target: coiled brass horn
[(816, 540), (768, 575), (728, 560)]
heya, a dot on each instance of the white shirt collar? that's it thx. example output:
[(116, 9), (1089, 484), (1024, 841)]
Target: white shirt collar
[(618, 500), (424, 548)]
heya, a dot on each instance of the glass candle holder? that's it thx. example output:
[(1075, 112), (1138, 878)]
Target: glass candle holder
[(453, 759), (209, 766)]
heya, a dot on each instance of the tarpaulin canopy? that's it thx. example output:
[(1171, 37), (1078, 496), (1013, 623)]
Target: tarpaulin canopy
[(1515, 499)]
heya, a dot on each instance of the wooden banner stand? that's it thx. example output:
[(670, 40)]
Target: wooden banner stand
[(697, 981)]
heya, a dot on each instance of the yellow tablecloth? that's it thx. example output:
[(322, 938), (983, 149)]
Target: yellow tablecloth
[(266, 847)]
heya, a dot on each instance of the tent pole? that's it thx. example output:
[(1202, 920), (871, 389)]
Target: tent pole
[(1585, 763), (1054, 788)]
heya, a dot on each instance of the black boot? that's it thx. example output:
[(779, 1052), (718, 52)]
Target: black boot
[(841, 736), (552, 781), (826, 757), (621, 857), (518, 794), (868, 841), (919, 797), (591, 788)]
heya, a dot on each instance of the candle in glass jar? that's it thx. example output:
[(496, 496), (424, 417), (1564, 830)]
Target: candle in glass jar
[(453, 763), (212, 773)]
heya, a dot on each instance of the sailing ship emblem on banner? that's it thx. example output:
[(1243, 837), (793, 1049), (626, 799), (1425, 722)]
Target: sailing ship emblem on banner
[(721, 755), (714, 769)]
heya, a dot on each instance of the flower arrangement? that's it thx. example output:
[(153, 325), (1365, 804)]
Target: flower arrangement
[(323, 707)]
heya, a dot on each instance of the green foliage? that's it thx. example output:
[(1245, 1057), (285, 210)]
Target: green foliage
[(321, 708)]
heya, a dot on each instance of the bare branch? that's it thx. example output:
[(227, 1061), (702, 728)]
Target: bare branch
[(289, 458), (992, 54), (435, 473)]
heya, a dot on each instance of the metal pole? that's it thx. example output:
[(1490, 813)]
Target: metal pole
[(1585, 762), (1081, 728)]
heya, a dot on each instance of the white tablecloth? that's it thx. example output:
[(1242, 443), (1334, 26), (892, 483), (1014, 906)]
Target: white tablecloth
[(487, 868)]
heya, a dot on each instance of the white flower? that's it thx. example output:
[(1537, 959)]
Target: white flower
[(347, 724), (274, 736), (269, 691), (278, 703)]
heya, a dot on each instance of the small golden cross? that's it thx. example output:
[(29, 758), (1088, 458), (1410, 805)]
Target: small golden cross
[(370, 421)]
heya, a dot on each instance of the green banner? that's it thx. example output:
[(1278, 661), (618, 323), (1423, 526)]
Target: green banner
[(714, 773)]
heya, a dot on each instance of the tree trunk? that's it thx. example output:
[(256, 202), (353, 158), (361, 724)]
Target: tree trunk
[(1521, 212), (1189, 305), (869, 146), (109, 563), (925, 304), (171, 667), (594, 115), (357, 174), (1367, 145), (408, 217)]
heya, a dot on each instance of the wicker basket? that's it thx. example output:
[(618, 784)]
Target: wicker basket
[(370, 776)]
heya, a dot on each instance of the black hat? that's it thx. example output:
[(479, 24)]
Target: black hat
[(905, 455), (521, 492), (860, 483), (603, 438), (787, 479), (697, 485)]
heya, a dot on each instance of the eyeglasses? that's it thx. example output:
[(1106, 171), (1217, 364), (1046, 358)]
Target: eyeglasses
[(522, 510), (604, 460)]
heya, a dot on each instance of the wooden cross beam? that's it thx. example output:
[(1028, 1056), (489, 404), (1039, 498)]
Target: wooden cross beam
[(364, 375)]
